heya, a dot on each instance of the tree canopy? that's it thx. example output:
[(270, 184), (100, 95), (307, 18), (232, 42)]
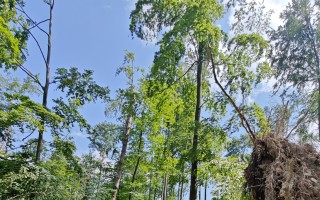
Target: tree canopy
[(181, 128)]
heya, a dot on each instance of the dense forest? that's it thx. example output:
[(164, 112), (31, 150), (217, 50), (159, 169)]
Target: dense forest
[(184, 127)]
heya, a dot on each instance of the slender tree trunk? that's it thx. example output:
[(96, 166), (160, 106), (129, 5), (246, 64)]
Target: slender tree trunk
[(181, 191), (194, 165), (178, 192), (199, 193), (100, 175), (46, 86), (122, 155), (318, 74), (171, 191), (150, 184), (319, 105), (164, 156), (137, 164), (164, 188), (205, 190)]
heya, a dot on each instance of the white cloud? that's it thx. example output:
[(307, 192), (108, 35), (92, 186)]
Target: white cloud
[(265, 86), (277, 6), (79, 134)]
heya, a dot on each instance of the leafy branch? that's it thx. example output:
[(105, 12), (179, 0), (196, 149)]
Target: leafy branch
[(243, 120)]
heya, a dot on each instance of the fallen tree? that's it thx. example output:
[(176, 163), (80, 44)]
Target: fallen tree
[(280, 170)]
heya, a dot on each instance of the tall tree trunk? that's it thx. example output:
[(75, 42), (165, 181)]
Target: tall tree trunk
[(319, 105), (164, 156), (178, 192), (194, 165), (99, 178), (205, 189), (164, 188), (181, 191), (172, 191), (46, 86), (150, 184), (137, 164), (122, 155)]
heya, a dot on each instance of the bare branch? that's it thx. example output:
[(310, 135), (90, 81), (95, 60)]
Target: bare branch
[(38, 44), (37, 24), (26, 14), (243, 120), (31, 75), (29, 135)]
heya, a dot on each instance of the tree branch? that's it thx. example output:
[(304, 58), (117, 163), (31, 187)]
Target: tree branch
[(37, 24), (38, 44), (25, 13), (29, 135), (243, 120)]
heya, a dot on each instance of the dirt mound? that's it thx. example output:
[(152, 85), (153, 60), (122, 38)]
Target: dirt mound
[(280, 170)]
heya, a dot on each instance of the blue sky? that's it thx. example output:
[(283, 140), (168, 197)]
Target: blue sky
[(94, 34), (88, 35)]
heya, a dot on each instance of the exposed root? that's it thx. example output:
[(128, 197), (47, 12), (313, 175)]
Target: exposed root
[(280, 170)]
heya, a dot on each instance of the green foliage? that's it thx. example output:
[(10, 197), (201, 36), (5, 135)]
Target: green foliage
[(227, 174), (186, 29), (80, 86), (22, 112), (296, 56), (54, 180), (161, 105), (12, 37)]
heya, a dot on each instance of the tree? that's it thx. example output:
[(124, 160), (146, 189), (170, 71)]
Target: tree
[(79, 88), (128, 104), (192, 25), (185, 17), (104, 139), (296, 51)]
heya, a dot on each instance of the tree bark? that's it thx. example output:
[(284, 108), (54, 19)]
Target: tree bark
[(46, 86), (137, 164), (150, 184), (181, 191), (319, 105), (100, 175), (164, 188), (122, 155), (179, 185), (205, 190), (194, 165)]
